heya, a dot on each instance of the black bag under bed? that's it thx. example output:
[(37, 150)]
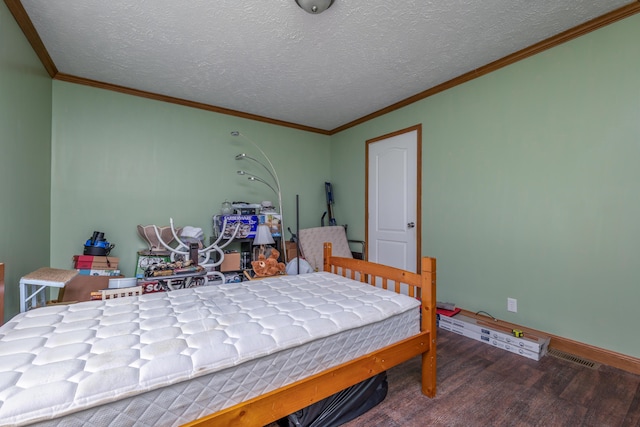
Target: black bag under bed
[(341, 407)]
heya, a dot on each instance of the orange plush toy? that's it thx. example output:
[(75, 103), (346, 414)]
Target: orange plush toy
[(268, 266)]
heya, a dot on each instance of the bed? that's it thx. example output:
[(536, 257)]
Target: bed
[(238, 354)]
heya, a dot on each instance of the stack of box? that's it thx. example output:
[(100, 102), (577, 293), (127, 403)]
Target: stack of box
[(94, 274), (89, 265), (529, 345)]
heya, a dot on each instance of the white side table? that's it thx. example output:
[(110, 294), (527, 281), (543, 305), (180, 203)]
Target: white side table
[(32, 285)]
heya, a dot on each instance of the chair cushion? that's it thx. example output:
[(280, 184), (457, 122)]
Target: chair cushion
[(312, 243)]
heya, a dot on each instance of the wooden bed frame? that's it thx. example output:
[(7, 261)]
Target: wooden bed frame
[(279, 403)]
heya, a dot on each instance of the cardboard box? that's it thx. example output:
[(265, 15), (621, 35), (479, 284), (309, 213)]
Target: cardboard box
[(248, 226), (151, 286), (80, 288), (231, 262), (444, 322), (91, 262), (144, 261), (292, 250), (100, 272), (534, 344), (445, 326), (500, 344), (532, 347)]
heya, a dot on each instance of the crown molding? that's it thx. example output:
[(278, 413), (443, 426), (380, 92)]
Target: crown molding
[(572, 33), (25, 24)]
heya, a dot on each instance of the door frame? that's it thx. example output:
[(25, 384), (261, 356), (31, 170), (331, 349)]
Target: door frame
[(418, 129)]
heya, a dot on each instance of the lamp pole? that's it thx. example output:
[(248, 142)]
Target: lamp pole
[(274, 176)]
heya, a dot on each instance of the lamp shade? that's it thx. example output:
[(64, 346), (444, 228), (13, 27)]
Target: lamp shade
[(263, 235)]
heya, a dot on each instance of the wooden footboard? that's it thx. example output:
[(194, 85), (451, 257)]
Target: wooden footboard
[(421, 286), (279, 403)]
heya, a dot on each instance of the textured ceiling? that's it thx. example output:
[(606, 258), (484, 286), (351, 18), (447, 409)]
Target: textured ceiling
[(272, 59)]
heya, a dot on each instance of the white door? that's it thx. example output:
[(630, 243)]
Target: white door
[(393, 199)]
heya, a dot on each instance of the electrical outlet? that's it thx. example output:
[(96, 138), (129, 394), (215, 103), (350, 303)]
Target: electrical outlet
[(512, 305)]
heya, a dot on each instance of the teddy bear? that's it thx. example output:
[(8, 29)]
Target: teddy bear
[(270, 266)]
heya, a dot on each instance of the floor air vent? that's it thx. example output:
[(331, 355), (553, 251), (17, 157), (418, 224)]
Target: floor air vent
[(573, 358)]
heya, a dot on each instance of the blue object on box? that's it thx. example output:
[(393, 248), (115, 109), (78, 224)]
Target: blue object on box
[(97, 245)]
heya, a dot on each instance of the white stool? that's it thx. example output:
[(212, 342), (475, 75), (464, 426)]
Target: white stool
[(32, 285)]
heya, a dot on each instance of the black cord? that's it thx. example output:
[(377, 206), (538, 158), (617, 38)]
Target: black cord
[(484, 312), (297, 233)]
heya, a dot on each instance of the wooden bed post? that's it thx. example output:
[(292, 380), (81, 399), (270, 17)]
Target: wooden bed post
[(428, 299)]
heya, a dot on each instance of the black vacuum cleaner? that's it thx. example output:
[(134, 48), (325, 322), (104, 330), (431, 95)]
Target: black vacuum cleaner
[(97, 245)]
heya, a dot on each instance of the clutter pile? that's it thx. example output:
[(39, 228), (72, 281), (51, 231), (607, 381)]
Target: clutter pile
[(173, 268), (95, 269)]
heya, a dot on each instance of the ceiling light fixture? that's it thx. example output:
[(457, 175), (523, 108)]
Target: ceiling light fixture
[(315, 6)]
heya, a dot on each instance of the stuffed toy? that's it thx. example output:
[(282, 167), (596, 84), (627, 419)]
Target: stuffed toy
[(268, 266)]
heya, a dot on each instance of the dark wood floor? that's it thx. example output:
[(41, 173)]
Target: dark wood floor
[(480, 385)]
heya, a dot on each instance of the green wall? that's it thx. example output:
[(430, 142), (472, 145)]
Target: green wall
[(529, 178), (530, 187), (25, 158), (119, 161)]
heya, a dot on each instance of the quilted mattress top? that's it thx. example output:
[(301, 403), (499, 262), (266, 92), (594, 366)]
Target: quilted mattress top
[(61, 359)]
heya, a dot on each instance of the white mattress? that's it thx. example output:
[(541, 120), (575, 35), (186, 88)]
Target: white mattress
[(167, 358)]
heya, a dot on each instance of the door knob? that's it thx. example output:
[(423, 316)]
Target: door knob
[(411, 224)]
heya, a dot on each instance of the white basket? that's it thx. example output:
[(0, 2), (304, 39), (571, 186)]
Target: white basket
[(121, 293), (122, 283)]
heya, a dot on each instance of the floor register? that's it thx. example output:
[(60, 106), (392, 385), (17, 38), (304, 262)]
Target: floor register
[(514, 341)]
